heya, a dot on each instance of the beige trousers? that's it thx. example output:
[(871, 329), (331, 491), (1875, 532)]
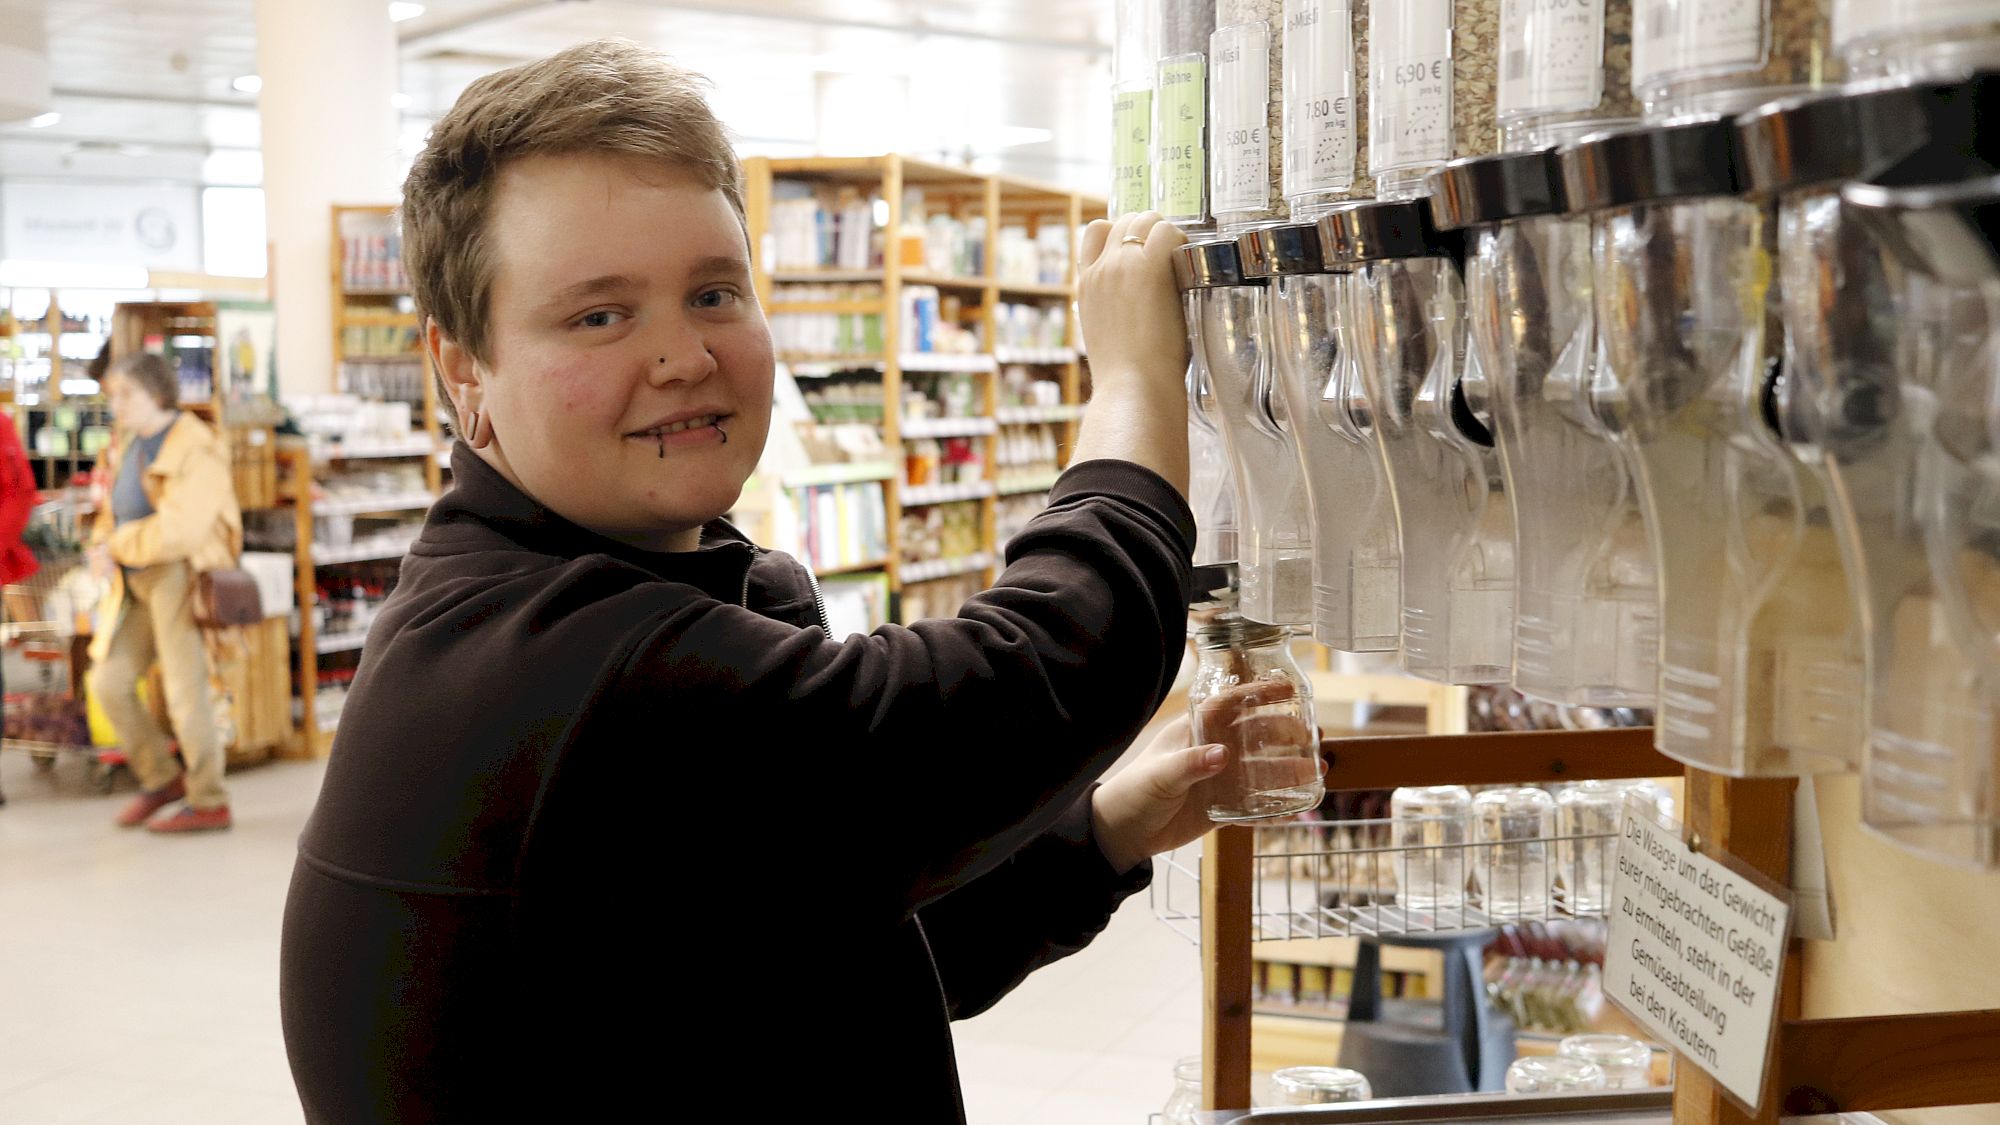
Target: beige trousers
[(158, 624)]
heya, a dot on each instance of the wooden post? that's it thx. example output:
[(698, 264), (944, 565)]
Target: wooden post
[(1228, 875), (1749, 819)]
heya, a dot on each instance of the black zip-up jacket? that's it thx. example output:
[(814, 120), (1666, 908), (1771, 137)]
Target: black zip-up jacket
[(608, 834)]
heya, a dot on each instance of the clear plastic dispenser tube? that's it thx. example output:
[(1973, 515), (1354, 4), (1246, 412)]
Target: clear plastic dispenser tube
[(1356, 584), (1564, 67), (1274, 529), (1685, 309), (1586, 602), (1705, 56), (1843, 415), (1135, 48), (1211, 479), (1931, 777), (1325, 107), (1908, 38), (1453, 521), (1180, 112)]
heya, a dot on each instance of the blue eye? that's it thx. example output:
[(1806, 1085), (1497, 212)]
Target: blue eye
[(600, 318), (721, 297)]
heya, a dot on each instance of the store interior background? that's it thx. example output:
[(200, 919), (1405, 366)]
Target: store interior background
[(140, 982)]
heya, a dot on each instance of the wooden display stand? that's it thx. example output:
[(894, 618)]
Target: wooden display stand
[(1819, 1066)]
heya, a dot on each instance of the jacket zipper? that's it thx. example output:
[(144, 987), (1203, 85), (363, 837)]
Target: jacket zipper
[(819, 602)]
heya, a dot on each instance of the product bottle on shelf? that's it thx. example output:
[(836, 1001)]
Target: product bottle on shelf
[(1246, 119), (1586, 601), (1325, 118), (1431, 96), (1275, 535), (1356, 584), (1453, 518)]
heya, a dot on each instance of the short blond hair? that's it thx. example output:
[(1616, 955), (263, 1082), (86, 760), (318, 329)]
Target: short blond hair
[(610, 96)]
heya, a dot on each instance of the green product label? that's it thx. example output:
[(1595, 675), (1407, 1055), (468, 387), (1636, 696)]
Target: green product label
[(1182, 107), (1131, 155)]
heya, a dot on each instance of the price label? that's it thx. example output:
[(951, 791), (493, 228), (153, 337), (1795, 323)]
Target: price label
[(1319, 97), (1131, 151), (1552, 56), (1409, 83), (1675, 37), (1240, 114), (1696, 953), (1180, 107), (1855, 20)]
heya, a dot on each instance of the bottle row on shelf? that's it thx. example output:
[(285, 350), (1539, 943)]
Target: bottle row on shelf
[(374, 261)]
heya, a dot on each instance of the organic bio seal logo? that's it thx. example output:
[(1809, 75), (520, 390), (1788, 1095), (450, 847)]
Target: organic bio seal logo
[(154, 229)]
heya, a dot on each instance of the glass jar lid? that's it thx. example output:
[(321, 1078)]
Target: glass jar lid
[(1609, 1052), (1682, 159), (1491, 189), (1319, 1085)]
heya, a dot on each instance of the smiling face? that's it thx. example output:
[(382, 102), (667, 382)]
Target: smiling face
[(627, 384)]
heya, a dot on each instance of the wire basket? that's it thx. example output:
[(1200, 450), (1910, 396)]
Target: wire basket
[(1348, 878)]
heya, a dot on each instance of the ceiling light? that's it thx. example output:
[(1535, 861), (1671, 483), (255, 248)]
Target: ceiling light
[(18, 274), (400, 100), (400, 10), (44, 120), (246, 83)]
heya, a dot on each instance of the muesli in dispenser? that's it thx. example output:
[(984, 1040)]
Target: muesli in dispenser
[(1454, 524), (1433, 73), (1931, 775), (1586, 601), (1246, 113), (1230, 313), (1355, 567), (1750, 590), (1325, 122)]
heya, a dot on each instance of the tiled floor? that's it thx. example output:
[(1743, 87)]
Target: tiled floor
[(138, 977)]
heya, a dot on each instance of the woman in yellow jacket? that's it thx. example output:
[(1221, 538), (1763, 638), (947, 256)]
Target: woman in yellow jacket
[(171, 514)]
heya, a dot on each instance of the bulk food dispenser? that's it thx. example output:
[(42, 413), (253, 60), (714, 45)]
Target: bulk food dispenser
[(1586, 603), (1229, 327), (1846, 413), (1355, 596), (1454, 524)]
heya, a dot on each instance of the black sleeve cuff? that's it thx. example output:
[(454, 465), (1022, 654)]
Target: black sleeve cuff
[(1134, 484)]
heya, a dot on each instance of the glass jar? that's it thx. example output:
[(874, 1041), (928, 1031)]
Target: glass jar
[(1563, 66), (1250, 696), (1627, 1063), (1325, 106), (1432, 825), (1931, 770), (1905, 38), (1587, 820), (1586, 602), (1453, 520), (1247, 113), (1515, 830), (1685, 309), (1320, 1085), (1231, 312), (1553, 1074), (1184, 1104), (1180, 112), (1431, 88), (1701, 56), (1356, 585)]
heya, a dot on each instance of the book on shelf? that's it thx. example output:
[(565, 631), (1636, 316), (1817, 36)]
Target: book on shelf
[(839, 525)]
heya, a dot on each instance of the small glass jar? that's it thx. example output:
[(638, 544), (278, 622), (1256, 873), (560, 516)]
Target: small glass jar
[(1514, 829), (1554, 1074), (1587, 818), (1250, 696), (1627, 1063), (1184, 1104), (1320, 1085), (1432, 825)]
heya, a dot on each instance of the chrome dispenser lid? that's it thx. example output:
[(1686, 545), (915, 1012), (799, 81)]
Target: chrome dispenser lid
[(1901, 132), (1682, 159), (1491, 189), (1948, 231), (1369, 232), (1277, 250), (1210, 265)]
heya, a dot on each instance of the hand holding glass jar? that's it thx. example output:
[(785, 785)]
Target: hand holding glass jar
[(1250, 697)]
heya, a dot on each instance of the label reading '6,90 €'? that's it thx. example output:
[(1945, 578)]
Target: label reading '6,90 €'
[(1409, 83)]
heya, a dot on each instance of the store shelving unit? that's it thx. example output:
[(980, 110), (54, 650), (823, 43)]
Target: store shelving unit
[(964, 195)]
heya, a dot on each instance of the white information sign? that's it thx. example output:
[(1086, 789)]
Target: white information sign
[(1696, 954), (102, 224)]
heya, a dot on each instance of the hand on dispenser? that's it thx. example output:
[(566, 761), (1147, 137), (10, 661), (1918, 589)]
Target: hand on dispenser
[(1131, 315)]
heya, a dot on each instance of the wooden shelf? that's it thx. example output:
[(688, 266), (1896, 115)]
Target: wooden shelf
[(1037, 415), (360, 552), (944, 281), (851, 568), (925, 495), (340, 642), (842, 308), (422, 446), (390, 319), (931, 570), (357, 505), (946, 361), (914, 428), (1034, 357), (825, 277), (1032, 289), (857, 472), (1023, 487)]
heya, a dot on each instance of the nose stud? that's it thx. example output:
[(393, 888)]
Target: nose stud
[(663, 359)]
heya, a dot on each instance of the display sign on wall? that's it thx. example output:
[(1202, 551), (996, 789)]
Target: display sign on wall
[(157, 226), (1697, 952)]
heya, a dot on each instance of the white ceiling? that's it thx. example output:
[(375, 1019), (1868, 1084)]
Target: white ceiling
[(143, 86)]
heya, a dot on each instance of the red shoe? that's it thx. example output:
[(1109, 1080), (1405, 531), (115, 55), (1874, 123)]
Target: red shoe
[(145, 805), (191, 819)]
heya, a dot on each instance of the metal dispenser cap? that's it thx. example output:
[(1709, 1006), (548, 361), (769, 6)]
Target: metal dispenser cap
[(1949, 231), (1901, 132), (1277, 250), (1209, 265), (1490, 189), (1369, 232), (1681, 159)]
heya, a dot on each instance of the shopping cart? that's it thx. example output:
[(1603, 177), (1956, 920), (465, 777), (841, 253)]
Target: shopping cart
[(44, 635)]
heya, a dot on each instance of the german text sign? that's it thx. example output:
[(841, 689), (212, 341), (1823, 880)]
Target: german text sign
[(1696, 954)]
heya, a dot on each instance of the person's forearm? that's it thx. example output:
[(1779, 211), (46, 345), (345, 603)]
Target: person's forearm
[(1143, 421)]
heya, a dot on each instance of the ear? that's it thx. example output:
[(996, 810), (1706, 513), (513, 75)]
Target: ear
[(457, 371)]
